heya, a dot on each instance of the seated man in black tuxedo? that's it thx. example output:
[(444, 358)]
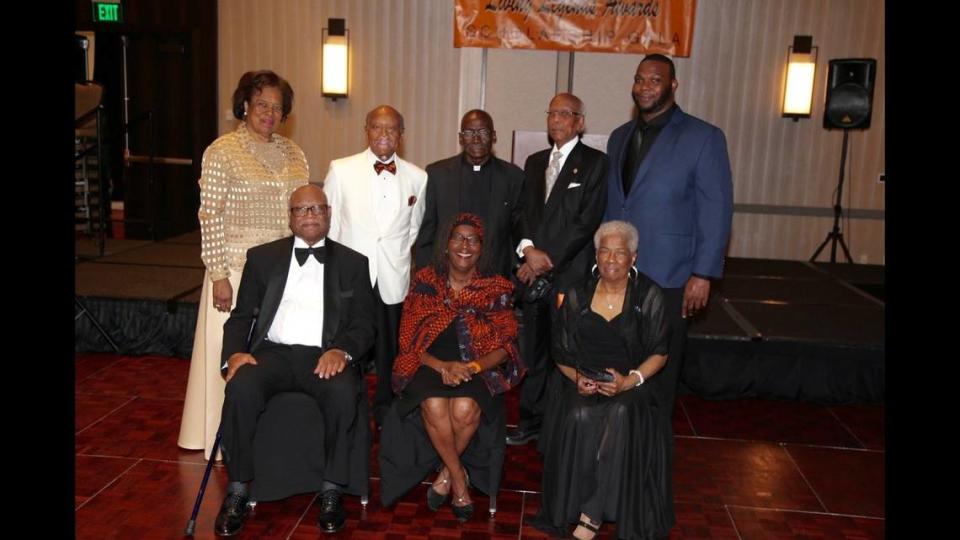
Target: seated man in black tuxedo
[(314, 305)]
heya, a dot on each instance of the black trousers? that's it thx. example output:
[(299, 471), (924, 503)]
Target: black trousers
[(535, 349), (283, 368), (384, 352)]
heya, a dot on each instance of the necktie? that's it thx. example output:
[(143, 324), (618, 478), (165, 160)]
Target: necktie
[(390, 167), (553, 171), (632, 163), (319, 252)]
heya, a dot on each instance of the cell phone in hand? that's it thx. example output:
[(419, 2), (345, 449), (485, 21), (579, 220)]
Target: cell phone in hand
[(599, 375)]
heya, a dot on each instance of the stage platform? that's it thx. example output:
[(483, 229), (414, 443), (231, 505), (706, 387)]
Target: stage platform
[(774, 329)]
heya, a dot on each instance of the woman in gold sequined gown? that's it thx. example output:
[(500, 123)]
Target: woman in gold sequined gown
[(246, 179)]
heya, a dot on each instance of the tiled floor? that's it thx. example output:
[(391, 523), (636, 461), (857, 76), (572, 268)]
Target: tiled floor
[(744, 469)]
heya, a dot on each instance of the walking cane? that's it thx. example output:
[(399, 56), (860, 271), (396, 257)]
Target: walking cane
[(192, 524)]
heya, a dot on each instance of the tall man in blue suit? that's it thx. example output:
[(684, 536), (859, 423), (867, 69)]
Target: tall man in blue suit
[(670, 177)]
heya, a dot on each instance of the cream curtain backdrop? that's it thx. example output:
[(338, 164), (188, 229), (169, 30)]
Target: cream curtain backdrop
[(402, 53)]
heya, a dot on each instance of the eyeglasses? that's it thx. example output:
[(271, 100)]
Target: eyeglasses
[(471, 133), (472, 241), (314, 209), (266, 107), (389, 130), (566, 115)]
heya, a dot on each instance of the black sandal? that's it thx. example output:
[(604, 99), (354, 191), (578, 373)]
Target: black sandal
[(588, 525), (462, 512), (434, 499)]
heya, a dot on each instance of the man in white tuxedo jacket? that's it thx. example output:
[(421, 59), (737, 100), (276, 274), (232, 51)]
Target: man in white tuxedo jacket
[(376, 202)]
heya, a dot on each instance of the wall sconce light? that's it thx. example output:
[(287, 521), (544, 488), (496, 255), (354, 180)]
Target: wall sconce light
[(798, 88), (336, 59)]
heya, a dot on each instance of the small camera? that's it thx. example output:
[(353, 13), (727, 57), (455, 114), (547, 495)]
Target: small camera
[(540, 288)]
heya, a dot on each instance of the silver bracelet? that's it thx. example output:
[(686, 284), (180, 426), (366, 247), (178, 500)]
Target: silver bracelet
[(639, 375)]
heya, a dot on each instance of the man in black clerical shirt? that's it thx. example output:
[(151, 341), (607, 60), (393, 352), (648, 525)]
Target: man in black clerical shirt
[(478, 182)]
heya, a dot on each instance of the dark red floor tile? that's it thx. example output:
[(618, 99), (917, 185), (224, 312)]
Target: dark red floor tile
[(512, 403), (92, 407), (847, 481), (145, 376), (717, 472), (865, 421), (277, 519), (91, 474), (531, 505), (767, 420), (410, 518), (143, 428), (522, 468), (701, 522), (760, 524), (152, 500), (681, 422), (693, 522), (86, 364)]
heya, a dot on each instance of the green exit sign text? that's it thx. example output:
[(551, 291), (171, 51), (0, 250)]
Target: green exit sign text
[(107, 12)]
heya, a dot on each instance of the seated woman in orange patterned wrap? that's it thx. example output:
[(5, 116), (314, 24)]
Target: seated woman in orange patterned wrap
[(458, 355)]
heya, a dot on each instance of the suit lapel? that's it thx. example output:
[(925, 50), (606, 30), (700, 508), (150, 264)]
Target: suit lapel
[(274, 291), (539, 186), (622, 157), (665, 141), (331, 293)]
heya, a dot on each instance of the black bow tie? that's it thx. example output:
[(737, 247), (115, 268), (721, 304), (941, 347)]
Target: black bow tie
[(320, 252)]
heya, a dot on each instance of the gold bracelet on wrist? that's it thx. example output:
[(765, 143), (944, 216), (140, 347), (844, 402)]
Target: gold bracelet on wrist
[(475, 367)]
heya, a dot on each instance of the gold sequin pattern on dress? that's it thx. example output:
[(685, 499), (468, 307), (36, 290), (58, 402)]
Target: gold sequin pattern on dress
[(245, 188)]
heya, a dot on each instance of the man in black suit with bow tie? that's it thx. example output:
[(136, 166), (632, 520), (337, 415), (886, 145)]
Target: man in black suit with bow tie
[(564, 196), (314, 304)]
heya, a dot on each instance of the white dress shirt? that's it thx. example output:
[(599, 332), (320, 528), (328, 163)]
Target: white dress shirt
[(299, 317), (386, 192)]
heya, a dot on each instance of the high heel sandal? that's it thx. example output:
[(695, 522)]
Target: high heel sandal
[(588, 525), (464, 512), (435, 500)]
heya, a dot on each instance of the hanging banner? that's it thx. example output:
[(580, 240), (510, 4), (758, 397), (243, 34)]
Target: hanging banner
[(622, 26)]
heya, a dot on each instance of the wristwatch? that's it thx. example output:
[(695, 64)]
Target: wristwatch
[(347, 357), (475, 367)]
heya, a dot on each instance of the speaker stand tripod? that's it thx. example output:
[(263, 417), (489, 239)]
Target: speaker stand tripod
[(835, 236)]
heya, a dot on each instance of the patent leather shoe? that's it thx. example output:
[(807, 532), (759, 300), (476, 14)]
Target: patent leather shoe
[(233, 512)]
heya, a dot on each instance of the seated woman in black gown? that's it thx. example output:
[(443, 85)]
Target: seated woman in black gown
[(606, 445), (458, 355)]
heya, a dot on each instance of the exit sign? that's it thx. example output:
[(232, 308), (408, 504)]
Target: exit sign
[(107, 12)]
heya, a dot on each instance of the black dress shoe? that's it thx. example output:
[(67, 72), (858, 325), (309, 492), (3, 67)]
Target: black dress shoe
[(518, 436), (332, 514), (233, 513)]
